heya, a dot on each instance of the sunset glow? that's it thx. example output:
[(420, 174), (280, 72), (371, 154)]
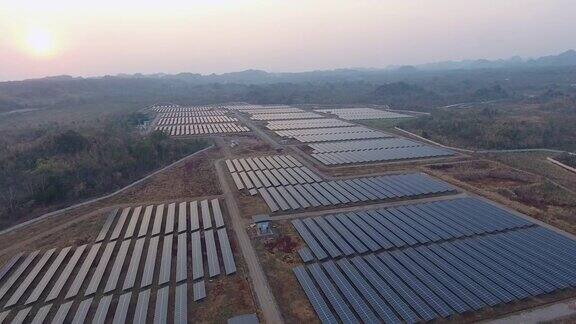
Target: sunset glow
[(40, 43)]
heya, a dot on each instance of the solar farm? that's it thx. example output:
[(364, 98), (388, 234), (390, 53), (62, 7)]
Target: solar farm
[(166, 250), (313, 217), (339, 141), (362, 113), (196, 120), (422, 262)]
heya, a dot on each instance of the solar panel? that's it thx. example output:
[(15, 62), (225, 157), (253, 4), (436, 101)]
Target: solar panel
[(82, 311), (218, 219), (145, 221), (334, 236), (194, 220), (237, 181), (170, 218), (133, 221), (166, 262), (23, 266), (247, 182), (206, 218), (268, 199), (213, 263), (100, 269), (41, 285), (141, 312), (316, 194), (134, 264), (430, 282), (21, 316), (230, 166), (181, 304), (318, 303), (181, 258), (182, 219), (148, 273), (199, 290), (122, 308), (377, 303), (322, 238), (401, 288), (157, 227), (291, 201), (114, 275), (3, 316), (40, 315), (346, 234), (106, 227), (271, 178), (361, 308), (102, 310), (226, 251), (301, 200), (65, 274), (120, 224), (333, 296), (161, 310), (359, 233), (61, 313), (307, 195), (278, 198), (197, 264), (452, 272), (309, 239)]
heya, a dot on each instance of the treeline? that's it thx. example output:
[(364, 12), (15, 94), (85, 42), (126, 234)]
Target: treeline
[(45, 168), (568, 159), (499, 128)]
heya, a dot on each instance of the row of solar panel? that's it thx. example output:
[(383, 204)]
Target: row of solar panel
[(363, 145), (390, 154), (263, 163), (327, 131), (60, 270), (306, 123), (103, 313), (177, 108), (198, 129), (328, 193), (176, 218), (396, 227), (339, 137), (258, 110), (440, 280), (195, 120), (362, 113), (285, 116), (193, 114), (274, 178)]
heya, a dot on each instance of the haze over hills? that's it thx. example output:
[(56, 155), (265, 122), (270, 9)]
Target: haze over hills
[(251, 76)]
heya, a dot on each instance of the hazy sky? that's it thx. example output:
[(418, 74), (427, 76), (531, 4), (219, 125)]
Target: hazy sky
[(87, 38)]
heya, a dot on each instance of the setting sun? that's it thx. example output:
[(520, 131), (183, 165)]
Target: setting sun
[(40, 43)]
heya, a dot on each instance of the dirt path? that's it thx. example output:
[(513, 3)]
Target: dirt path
[(270, 309)]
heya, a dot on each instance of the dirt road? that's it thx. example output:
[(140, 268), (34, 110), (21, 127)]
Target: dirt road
[(270, 310)]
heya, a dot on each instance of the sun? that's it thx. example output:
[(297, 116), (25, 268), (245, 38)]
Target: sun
[(40, 42)]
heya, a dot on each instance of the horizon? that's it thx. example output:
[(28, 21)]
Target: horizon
[(66, 38)]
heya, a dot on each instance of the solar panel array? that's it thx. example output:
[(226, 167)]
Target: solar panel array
[(282, 116), (202, 129), (484, 256), (133, 245), (362, 113), (285, 184), (391, 154), (373, 230), (306, 123), (196, 120)]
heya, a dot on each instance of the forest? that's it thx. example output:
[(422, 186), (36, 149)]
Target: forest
[(48, 167)]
